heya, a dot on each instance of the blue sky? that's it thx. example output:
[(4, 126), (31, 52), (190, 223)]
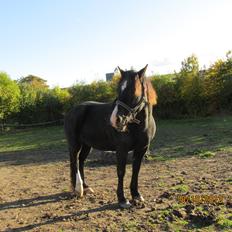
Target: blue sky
[(64, 41)]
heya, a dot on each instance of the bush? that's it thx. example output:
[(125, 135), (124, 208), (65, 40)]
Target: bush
[(190, 93), (9, 96)]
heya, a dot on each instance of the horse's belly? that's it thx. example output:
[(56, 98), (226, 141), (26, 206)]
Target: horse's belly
[(98, 140), (100, 145)]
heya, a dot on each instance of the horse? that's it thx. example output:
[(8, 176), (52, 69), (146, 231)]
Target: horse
[(124, 125)]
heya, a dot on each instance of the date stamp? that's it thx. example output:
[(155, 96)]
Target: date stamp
[(204, 198)]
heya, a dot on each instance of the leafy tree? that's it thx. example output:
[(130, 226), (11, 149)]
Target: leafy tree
[(218, 85), (9, 96), (96, 91), (34, 81), (226, 95), (167, 96), (54, 103), (42, 105), (213, 85), (190, 86)]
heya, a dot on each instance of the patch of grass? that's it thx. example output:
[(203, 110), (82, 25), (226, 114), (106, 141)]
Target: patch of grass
[(182, 188), (207, 154), (51, 138), (161, 184), (60, 230), (157, 157), (130, 226), (179, 138), (151, 224), (66, 190), (224, 221), (177, 206), (178, 225), (163, 214), (174, 138), (229, 180)]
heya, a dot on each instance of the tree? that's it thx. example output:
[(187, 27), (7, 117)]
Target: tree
[(96, 91), (190, 86), (54, 103), (167, 96), (218, 84), (9, 96), (34, 81)]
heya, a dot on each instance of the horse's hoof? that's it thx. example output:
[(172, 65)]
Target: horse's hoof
[(76, 194), (125, 204), (138, 198), (88, 190), (79, 192)]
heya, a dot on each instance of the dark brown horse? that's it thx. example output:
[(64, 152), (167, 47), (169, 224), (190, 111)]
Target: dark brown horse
[(127, 124)]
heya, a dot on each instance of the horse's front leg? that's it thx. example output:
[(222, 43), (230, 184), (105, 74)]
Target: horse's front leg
[(138, 156), (121, 169)]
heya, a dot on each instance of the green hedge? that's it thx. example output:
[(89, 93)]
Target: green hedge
[(190, 93)]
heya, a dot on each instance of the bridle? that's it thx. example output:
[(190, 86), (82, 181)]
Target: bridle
[(131, 117), (132, 112)]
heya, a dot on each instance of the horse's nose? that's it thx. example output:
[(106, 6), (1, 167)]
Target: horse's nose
[(119, 119)]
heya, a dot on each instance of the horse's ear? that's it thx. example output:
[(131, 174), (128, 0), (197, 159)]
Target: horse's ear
[(121, 71), (141, 73)]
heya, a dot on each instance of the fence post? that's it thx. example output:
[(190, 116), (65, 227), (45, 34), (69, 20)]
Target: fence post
[(2, 127)]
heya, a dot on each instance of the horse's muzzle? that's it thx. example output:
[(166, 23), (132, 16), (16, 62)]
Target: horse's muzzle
[(121, 124)]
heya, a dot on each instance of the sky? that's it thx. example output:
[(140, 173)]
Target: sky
[(70, 41)]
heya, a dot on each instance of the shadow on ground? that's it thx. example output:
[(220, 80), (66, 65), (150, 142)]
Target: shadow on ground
[(41, 200), (95, 158), (31, 157), (33, 202)]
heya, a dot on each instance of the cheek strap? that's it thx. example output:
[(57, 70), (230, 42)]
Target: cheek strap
[(131, 117)]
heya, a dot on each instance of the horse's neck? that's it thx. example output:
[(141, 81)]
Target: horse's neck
[(145, 114)]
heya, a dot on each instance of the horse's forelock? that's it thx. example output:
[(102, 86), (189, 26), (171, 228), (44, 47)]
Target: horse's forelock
[(138, 87)]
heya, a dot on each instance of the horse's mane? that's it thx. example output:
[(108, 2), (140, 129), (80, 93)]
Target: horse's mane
[(151, 93)]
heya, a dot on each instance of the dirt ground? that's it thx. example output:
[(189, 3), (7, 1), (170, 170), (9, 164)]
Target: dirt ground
[(34, 194)]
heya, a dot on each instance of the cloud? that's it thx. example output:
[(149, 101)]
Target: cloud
[(162, 62)]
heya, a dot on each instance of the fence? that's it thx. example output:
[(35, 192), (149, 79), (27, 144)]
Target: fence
[(6, 126)]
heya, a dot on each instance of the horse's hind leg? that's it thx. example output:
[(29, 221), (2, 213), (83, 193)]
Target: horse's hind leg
[(76, 182), (82, 157)]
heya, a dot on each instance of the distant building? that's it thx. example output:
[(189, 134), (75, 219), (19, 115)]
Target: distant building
[(109, 76)]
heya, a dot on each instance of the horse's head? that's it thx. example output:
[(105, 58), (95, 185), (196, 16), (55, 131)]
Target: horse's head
[(134, 93)]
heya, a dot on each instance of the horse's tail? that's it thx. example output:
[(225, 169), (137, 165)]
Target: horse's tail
[(72, 125)]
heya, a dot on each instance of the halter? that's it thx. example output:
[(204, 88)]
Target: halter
[(131, 117)]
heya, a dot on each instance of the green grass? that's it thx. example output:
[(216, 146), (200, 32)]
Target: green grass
[(203, 137), (206, 154), (229, 180), (182, 188), (33, 139), (130, 226), (174, 138), (224, 221)]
